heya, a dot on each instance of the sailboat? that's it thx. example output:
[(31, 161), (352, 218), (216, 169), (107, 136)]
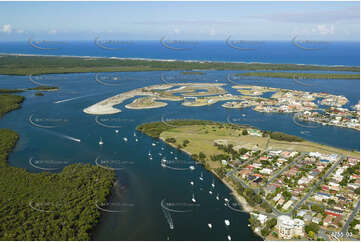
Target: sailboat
[(201, 177), (193, 198), (101, 141)]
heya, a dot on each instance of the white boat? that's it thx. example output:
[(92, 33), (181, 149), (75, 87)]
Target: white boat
[(116, 131), (213, 185), (149, 153), (153, 144), (136, 140), (150, 158), (210, 226), (125, 139), (226, 200), (210, 192), (171, 152), (162, 148), (164, 160), (217, 197), (134, 135), (162, 164), (192, 168), (243, 115), (193, 198), (176, 158), (226, 221), (201, 177), (229, 237), (101, 141), (192, 183)]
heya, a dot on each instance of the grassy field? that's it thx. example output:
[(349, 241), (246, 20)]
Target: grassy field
[(301, 75), (203, 136), (36, 65)]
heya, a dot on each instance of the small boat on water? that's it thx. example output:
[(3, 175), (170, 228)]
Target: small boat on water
[(101, 141), (192, 183), (149, 153), (210, 226), (226, 200), (201, 177), (213, 184), (229, 237), (192, 168), (125, 139), (150, 158), (153, 144), (136, 140), (176, 158), (134, 135), (217, 197), (226, 221), (162, 148), (171, 152), (193, 198), (116, 131), (162, 164), (244, 115), (210, 192), (164, 160)]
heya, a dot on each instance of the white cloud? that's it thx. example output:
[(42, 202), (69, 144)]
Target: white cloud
[(324, 29), (212, 32), (6, 28), (176, 30)]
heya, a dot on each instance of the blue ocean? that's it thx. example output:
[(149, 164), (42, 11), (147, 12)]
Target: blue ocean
[(330, 53)]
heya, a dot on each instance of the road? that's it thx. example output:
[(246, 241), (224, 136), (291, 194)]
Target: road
[(350, 218), (283, 169), (318, 183)]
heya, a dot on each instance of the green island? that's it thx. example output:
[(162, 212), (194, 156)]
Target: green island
[(37, 65), (47, 206), (271, 174), (301, 75), (193, 73), (38, 88)]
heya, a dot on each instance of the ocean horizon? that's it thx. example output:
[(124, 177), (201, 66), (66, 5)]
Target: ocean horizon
[(341, 53)]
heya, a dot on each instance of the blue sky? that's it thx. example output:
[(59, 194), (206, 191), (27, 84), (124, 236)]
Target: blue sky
[(179, 20)]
